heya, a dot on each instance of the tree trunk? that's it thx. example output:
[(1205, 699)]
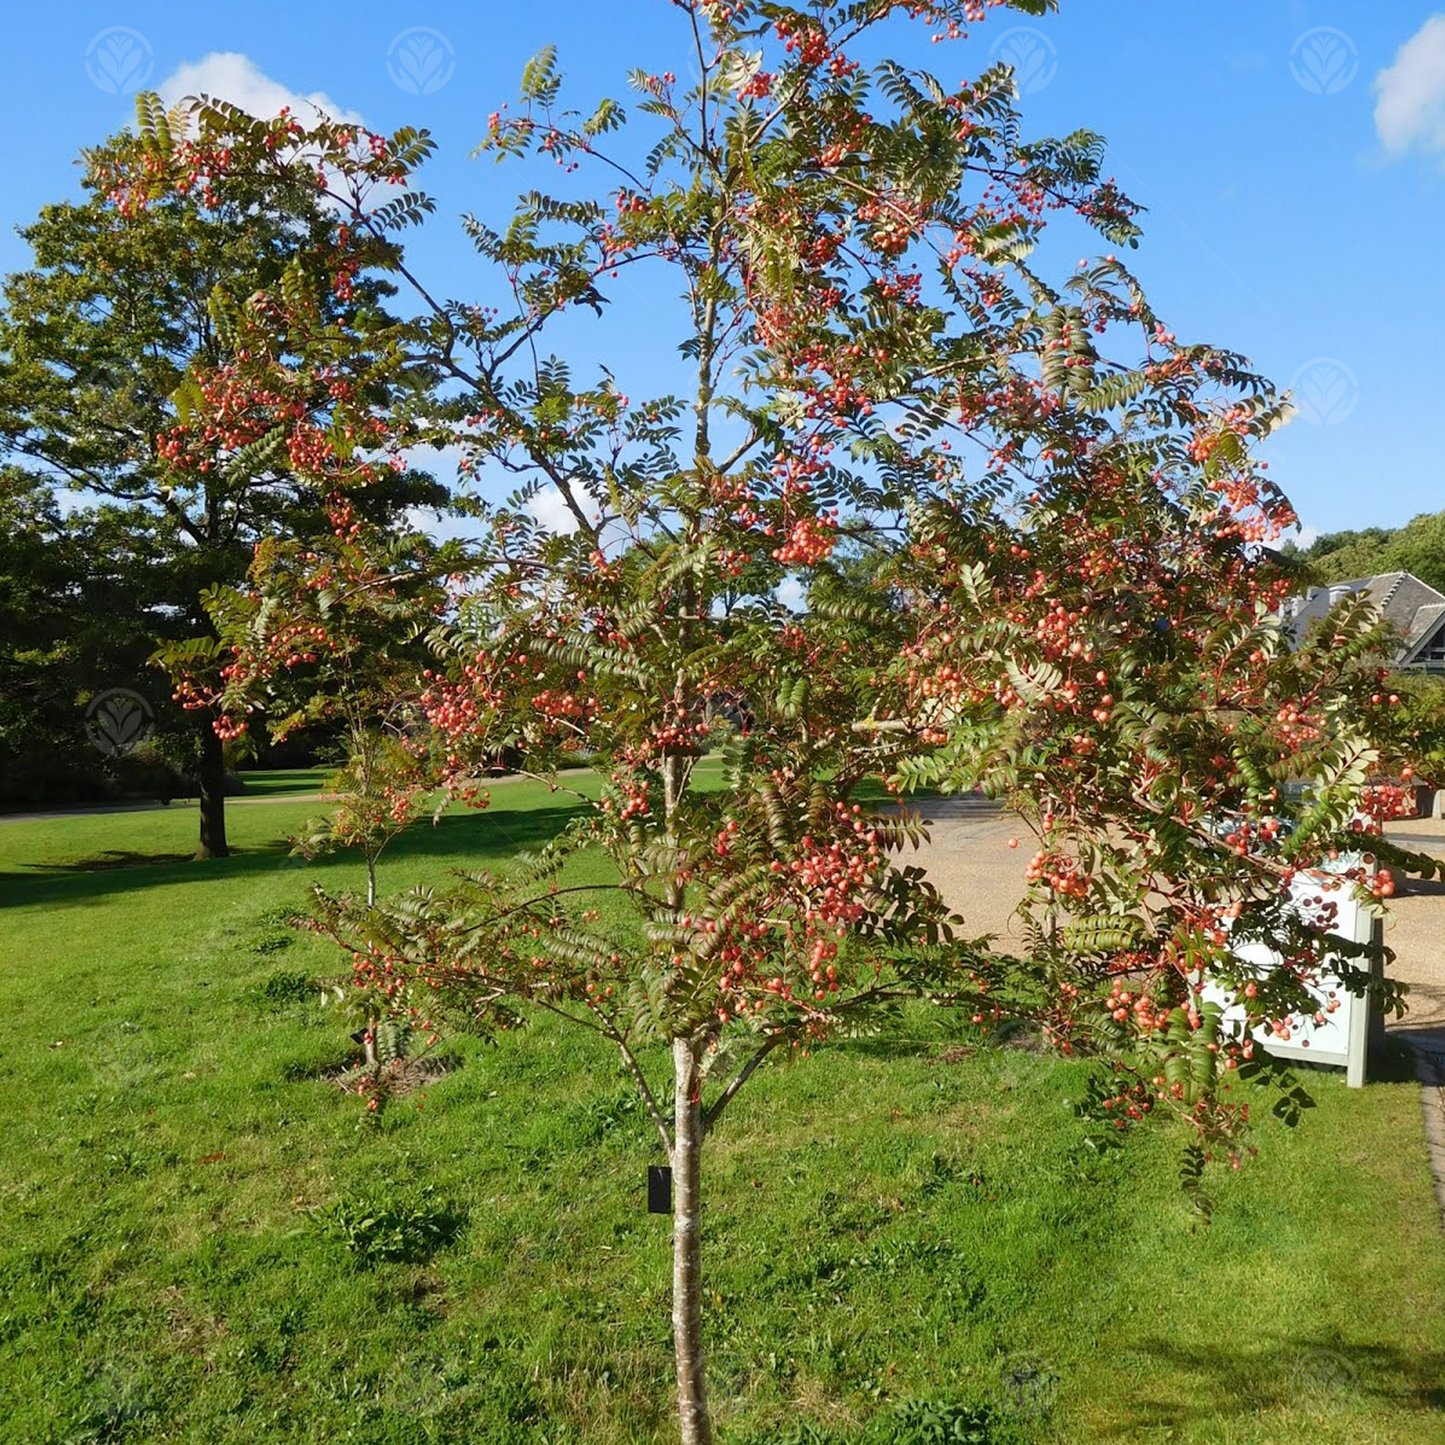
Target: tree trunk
[(211, 787), (686, 1246), (372, 1021)]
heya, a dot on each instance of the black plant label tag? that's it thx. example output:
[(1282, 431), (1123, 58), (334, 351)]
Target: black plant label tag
[(659, 1189)]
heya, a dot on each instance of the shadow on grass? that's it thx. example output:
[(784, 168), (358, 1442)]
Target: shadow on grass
[(118, 858), (480, 838), (890, 1046), (1314, 1377), (1393, 1062)]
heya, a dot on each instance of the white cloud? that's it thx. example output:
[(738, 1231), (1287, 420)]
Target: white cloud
[(1410, 94), (439, 526), (1305, 536), (550, 508), (791, 593), (442, 462), (229, 75)]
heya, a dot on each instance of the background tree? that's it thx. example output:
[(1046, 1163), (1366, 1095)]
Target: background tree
[(76, 609), (41, 731), (96, 338), (1072, 605), (1418, 547)]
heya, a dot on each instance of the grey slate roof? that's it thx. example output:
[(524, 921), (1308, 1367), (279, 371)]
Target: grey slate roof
[(1426, 624), (1415, 608)]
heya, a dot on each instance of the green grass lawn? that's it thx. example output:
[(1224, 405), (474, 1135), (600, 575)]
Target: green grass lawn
[(884, 1225), (282, 782)]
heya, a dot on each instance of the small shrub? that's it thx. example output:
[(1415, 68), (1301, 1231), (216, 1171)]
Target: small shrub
[(617, 1115), (283, 989), (391, 1229), (929, 1422), (274, 930)]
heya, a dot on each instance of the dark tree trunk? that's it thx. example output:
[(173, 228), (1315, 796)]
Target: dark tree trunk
[(211, 786)]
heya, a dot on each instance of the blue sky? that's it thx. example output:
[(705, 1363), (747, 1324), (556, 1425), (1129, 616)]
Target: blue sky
[(1291, 154)]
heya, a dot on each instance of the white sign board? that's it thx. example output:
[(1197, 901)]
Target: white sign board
[(1342, 1039)]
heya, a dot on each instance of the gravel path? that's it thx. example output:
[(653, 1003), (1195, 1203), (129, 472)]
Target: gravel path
[(1416, 931), (970, 861), (179, 805), (982, 877)]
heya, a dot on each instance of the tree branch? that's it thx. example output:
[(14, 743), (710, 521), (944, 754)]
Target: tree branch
[(640, 1079), (711, 1115)]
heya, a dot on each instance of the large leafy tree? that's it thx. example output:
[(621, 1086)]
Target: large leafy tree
[(95, 340), (1064, 595), (76, 611), (40, 577), (1418, 547)]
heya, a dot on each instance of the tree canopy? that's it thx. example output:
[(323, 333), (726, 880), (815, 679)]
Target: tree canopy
[(1417, 547)]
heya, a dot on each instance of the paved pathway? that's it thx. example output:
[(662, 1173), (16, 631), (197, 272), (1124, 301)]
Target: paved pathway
[(177, 805), (1416, 931), (980, 875)]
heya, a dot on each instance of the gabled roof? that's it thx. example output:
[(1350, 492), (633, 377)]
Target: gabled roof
[(1426, 624), (1414, 608), (1400, 596)]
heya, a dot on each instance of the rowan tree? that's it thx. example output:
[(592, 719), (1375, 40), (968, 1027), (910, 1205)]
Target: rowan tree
[(1071, 605), (335, 624)]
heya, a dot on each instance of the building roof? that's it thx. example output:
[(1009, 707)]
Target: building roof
[(1427, 623), (1414, 608)]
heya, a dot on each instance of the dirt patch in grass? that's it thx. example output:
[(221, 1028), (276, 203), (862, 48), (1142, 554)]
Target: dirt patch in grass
[(955, 1054)]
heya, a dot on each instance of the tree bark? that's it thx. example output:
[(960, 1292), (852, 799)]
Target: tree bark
[(686, 1246), (372, 1022), (211, 788)]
